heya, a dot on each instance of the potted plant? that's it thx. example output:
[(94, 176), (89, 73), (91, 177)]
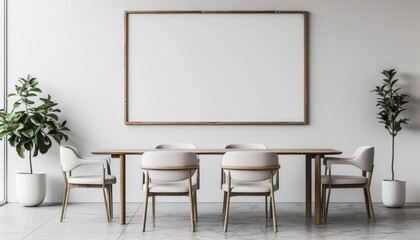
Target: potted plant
[(391, 103), (29, 126)]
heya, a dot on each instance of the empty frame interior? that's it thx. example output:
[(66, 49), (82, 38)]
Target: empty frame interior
[(195, 67)]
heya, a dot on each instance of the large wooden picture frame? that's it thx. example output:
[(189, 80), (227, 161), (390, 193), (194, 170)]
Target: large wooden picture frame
[(216, 67)]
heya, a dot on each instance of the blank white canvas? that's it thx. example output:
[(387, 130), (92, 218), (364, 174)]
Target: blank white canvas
[(216, 67)]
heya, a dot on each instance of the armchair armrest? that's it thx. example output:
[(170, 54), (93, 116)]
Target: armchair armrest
[(88, 162), (101, 160), (333, 161), (324, 162)]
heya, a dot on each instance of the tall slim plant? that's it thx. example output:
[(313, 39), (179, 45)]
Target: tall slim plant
[(32, 121), (391, 103)]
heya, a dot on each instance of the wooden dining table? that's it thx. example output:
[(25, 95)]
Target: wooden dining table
[(310, 154)]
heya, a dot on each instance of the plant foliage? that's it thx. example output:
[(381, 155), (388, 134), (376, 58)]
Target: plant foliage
[(391, 103), (32, 120)]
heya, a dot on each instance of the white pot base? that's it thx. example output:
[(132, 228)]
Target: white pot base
[(393, 193), (31, 188)]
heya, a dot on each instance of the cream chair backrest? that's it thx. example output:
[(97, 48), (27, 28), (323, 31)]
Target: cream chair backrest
[(250, 159), (69, 158), (176, 146), (246, 146), (364, 157), (169, 159)]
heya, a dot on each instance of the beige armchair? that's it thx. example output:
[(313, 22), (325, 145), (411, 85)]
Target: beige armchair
[(71, 159), (249, 173), (363, 159), (169, 173), (251, 146)]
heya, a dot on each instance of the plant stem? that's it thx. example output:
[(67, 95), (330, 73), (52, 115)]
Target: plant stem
[(25, 101), (30, 161), (392, 157)]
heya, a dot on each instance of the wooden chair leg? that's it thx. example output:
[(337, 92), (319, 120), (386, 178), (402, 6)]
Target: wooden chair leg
[(192, 211), (323, 198), (65, 199), (366, 202), (153, 210), (271, 208), (266, 212), (106, 200), (111, 201), (273, 203), (224, 204), (227, 212), (190, 194), (372, 213), (108, 195), (195, 207), (106, 204), (146, 199), (328, 203)]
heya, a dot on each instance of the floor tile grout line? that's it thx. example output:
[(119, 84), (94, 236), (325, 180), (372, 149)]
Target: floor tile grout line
[(262, 229), (41, 225), (122, 232)]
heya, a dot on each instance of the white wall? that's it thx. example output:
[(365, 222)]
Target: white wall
[(76, 49)]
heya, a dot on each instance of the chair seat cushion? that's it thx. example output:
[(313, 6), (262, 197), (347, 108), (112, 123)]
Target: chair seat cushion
[(169, 187), (92, 179), (343, 179), (249, 187)]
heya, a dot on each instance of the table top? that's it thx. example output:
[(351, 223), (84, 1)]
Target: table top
[(219, 151)]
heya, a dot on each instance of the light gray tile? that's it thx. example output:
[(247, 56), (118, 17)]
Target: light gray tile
[(17, 221), (84, 221), (246, 221)]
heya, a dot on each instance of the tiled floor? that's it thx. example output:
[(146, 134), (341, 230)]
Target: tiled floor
[(88, 221)]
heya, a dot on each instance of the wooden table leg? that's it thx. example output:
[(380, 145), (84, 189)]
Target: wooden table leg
[(308, 186), (122, 189), (318, 202)]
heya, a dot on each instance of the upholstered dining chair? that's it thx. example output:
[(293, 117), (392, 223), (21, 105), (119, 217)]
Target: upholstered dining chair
[(169, 173), (250, 146), (71, 159), (195, 177), (363, 159), (249, 173), (175, 146)]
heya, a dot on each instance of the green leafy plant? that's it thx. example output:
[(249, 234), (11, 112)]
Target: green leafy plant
[(391, 103), (32, 121)]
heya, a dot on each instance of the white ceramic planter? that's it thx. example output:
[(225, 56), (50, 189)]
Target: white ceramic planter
[(393, 193), (31, 188)]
